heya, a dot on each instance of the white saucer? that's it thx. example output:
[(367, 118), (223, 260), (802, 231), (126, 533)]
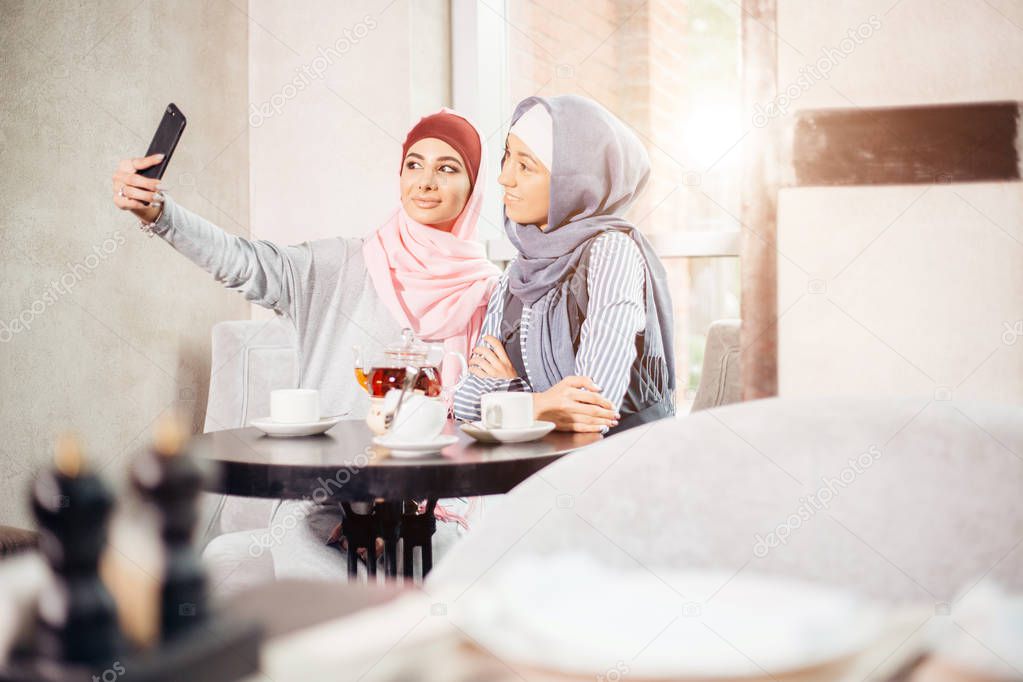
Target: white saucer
[(404, 448), (539, 429), (283, 430)]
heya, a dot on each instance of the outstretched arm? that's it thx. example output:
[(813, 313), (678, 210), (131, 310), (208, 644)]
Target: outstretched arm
[(262, 271)]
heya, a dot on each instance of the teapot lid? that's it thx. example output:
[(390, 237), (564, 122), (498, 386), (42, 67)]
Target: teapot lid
[(409, 347)]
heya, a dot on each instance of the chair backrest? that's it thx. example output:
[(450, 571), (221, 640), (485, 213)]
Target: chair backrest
[(250, 359), (720, 382), (909, 499)]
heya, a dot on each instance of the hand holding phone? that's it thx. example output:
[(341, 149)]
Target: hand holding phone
[(136, 181)]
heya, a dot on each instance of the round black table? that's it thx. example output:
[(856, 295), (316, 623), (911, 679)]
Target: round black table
[(344, 466)]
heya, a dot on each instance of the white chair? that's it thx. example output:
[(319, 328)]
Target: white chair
[(720, 382), (250, 358)]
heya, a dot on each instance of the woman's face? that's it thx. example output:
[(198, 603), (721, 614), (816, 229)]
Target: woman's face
[(527, 185), (434, 183)]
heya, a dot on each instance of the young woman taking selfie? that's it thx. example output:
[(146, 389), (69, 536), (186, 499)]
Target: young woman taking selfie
[(423, 268)]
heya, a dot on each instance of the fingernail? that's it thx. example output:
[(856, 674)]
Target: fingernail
[(160, 156)]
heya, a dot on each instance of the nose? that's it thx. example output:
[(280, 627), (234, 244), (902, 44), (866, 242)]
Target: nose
[(507, 176), (428, 180)]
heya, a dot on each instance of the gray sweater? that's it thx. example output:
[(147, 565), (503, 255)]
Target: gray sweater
[(322, 286)]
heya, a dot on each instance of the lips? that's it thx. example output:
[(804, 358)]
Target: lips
[(510, 197), (426, 203)]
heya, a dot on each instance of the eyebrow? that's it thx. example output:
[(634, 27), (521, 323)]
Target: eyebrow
[(528, 156), (439, 158)]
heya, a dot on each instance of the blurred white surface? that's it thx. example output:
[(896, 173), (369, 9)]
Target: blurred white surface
[(21, 581), (570, 613)]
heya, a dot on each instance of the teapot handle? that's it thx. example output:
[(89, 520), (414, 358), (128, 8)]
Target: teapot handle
[(463, 374)]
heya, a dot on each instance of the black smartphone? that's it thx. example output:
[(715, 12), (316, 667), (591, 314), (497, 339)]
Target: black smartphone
[(165, 140)]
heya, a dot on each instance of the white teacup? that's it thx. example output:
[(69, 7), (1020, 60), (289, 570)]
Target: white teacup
[(419, 419), (295, 405), (507, 410)]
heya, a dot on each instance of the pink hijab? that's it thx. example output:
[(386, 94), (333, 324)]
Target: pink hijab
[(434, 282)]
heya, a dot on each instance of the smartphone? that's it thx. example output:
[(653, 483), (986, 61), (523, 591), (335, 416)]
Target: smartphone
[(165, 140)]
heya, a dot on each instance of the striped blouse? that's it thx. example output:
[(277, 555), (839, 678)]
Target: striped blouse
[(607, 346)]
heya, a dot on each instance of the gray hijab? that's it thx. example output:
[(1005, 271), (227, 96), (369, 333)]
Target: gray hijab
[(599, 168)]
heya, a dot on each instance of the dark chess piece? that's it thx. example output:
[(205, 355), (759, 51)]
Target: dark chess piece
[(171, 480), (77, 617)]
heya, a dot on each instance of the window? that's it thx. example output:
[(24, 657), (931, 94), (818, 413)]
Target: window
[(670, 71)]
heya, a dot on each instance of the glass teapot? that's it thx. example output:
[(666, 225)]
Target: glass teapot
[(380, 370)]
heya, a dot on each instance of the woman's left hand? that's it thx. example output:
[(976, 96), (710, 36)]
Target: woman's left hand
[(489, 360)]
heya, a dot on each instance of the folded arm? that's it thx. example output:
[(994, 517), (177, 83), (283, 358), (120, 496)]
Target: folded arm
[(477, 383)]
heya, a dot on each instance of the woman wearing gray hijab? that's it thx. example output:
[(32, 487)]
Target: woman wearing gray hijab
[(582, 318)]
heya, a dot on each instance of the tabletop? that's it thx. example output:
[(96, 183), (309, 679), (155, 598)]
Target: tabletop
[(343, 464)]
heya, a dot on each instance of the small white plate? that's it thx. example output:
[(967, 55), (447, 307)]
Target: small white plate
[(539, 429), (282, 430), (412, 449)]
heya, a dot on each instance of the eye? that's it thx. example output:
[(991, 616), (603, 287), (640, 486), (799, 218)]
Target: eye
[(449, 169), (412, 164)]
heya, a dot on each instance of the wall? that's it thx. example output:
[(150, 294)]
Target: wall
[(342, 92), (331, 103), (902, 289), (303, 112), (118, 325)]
